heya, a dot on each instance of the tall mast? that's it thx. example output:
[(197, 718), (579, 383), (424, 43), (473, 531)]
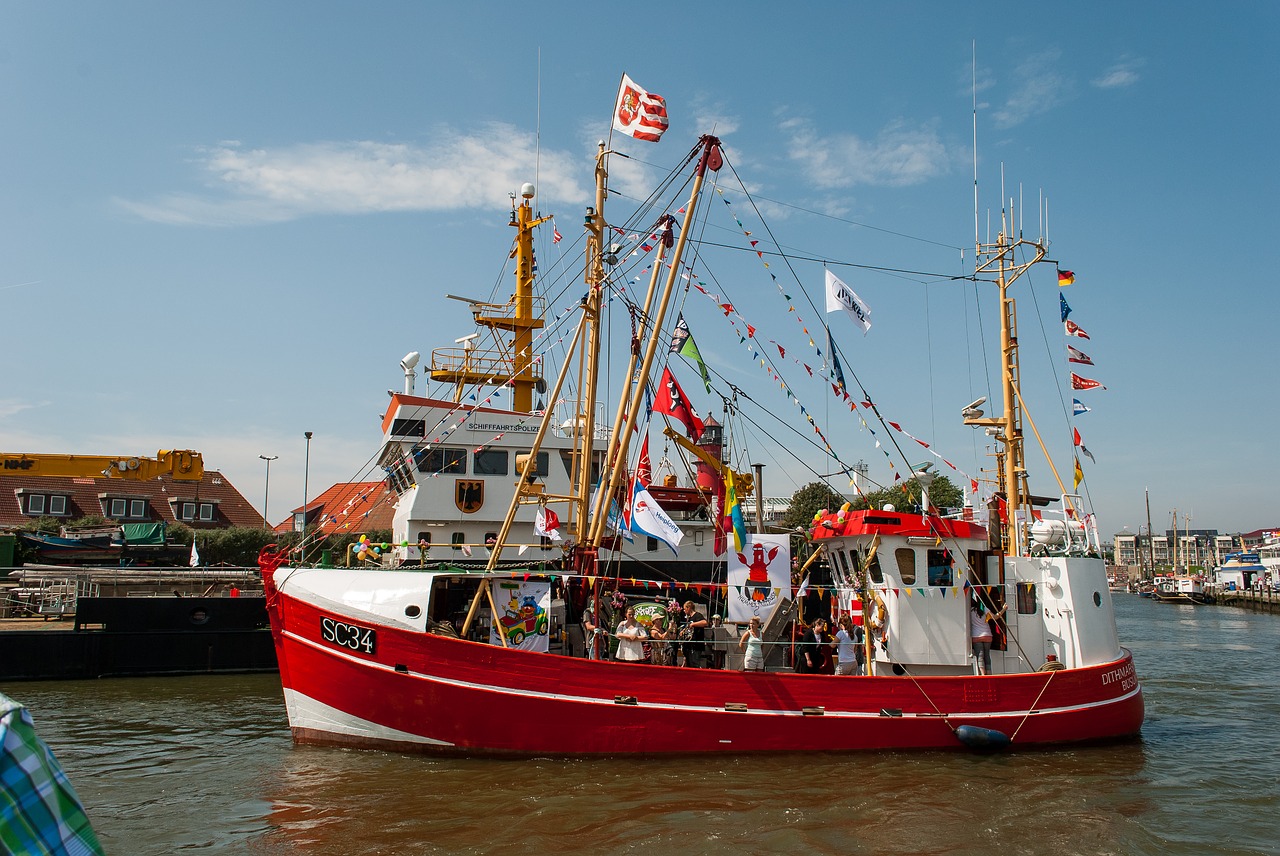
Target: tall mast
[(466, 366), (589, 359), (586, 343), (1000, 257), (619, 442), (1151, 536)]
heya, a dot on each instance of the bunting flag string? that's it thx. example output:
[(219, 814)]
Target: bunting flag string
[(1075, 355)]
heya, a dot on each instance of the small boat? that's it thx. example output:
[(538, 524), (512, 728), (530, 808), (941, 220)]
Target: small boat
[(473, 659), (1182, 588)]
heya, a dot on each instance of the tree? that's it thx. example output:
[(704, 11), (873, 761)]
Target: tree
[(808, 501), (906, 496)]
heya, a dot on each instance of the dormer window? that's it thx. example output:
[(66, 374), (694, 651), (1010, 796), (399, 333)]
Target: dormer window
[(123, 507), (37, 504), (191, 511)]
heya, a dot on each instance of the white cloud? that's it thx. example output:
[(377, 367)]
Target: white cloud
[(709, 118), (899, 155), (1039, 88), (454, 171), (12, 406), (1123, 73)]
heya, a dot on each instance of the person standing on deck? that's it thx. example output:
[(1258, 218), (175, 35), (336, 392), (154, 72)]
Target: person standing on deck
[(630, 634), (980, 634), (848, 648), (752, 642), (694, 633), (809, 657)]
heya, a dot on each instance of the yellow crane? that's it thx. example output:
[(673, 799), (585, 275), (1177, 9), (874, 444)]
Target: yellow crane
[(182, 464), (745, 482)]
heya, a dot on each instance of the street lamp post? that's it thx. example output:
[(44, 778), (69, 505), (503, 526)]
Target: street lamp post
[(306, 472), (266, 490)]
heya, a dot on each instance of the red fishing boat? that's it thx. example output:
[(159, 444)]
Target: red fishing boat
[(416, 657)]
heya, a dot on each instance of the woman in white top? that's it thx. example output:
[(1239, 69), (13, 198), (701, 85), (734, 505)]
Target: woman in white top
[(629, 633), (980, 635), (752, 642), (846, 648)]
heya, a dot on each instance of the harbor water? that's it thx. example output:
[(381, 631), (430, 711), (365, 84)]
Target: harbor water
[(206, 764)]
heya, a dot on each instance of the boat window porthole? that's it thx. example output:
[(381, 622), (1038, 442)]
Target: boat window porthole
[(1097, 598), (413, 610), (199, 616)]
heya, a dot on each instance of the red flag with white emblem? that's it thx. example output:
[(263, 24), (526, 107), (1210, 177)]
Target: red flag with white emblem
[(638, 113)]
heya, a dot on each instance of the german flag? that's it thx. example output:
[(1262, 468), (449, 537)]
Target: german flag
[(1065, 278)]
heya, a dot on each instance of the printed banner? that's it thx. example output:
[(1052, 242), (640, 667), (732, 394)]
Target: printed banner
[(841, 296), (524, 614), (759, 576)]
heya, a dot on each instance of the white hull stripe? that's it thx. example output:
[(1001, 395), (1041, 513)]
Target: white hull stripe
[(306, 712), (575, 699)]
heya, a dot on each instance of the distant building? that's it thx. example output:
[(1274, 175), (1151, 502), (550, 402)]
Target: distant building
[(348, 507), (211, 503)]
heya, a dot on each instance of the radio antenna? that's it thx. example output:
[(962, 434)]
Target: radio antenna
[(977, 238)]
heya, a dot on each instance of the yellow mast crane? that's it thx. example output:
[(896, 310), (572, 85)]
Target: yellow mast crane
[(183, 465), (744, 483), (1002, 259), (466, 365)]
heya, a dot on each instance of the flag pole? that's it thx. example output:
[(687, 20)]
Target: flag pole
[(619, 443)]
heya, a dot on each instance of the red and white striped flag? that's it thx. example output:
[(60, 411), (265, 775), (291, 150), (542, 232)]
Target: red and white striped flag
[(556, 237), (639, 113), (1078, 382)]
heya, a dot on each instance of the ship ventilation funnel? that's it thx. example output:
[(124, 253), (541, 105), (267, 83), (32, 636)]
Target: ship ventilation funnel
[(408, 363)]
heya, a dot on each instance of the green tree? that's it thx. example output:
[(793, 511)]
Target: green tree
[(942, 494), (808, 501)]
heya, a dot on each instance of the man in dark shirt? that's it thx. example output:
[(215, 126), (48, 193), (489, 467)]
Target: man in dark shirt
[(695, 627), (809, 652)]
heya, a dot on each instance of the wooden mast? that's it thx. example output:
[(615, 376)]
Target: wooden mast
[(619, 442), (586, 343)]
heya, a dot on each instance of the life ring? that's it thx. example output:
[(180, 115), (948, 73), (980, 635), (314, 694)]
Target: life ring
[(880, 617)]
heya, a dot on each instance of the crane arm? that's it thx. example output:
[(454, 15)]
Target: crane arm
[(745, 482), (183, 465)]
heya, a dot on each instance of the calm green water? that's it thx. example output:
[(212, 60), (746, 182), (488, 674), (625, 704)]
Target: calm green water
[(206, 764)]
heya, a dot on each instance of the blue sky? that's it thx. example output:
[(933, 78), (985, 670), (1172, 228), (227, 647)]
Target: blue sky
[(222, 225)]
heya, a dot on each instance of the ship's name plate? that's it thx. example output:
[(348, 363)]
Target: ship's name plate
[(518, 428), (353, 636)]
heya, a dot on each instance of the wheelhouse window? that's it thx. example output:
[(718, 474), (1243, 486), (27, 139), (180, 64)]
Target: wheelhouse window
[(941, 572), (1027, 599), (877, 575), (490, 462), (458, 539), (424, 540), (442, 460), (906, 559), (408, 428), (541, 466)]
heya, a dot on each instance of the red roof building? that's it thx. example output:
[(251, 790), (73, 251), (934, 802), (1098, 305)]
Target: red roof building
[(211, 503), (348, 507)]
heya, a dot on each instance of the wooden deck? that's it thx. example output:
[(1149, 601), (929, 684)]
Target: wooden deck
[(1267, 601)]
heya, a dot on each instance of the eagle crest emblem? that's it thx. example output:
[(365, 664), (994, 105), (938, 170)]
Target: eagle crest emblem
[(468, 495)]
